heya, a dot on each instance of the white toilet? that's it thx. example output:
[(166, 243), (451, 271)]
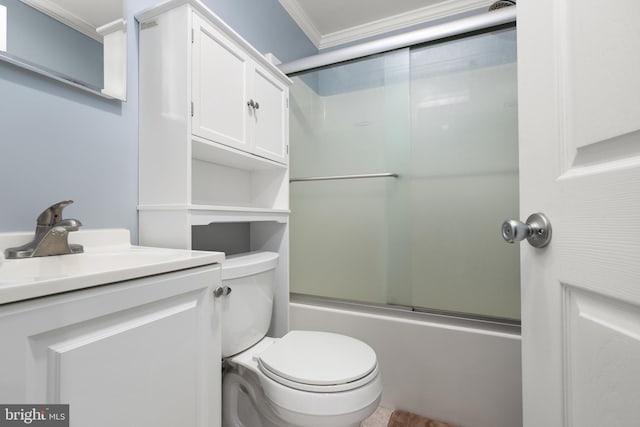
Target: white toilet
[(305, 378)]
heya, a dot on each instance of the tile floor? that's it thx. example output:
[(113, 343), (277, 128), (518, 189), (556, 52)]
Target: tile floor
[(380, 418)]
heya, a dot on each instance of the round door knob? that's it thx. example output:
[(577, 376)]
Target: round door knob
[(515, 231), (537, 230)]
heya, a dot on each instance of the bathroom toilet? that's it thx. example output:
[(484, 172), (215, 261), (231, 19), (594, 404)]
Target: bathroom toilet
[(305, 378)]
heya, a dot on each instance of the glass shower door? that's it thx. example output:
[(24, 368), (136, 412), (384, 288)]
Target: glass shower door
[(464, 175), (347, 121), (443, 117)]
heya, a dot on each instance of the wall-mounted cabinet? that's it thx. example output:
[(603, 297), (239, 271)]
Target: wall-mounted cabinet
[(213, 143), (213, 120), (244, 105)]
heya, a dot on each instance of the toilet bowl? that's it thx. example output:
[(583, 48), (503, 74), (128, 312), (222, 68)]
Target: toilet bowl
[(305, 378)]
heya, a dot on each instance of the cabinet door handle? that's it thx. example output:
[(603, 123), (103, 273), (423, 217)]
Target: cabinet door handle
[(253, 104), (221, 291)]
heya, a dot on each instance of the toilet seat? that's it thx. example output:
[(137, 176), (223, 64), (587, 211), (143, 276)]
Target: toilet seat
[(319, 362)]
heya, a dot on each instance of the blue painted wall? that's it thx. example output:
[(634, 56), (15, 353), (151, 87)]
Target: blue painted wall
[(57, 142), (266, 25)]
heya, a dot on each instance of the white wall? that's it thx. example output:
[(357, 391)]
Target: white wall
[(450, 371)]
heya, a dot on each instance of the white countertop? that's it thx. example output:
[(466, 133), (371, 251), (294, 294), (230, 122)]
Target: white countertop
[(108, 257)]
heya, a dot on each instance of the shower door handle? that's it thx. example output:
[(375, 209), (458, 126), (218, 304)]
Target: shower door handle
[(537, 230)]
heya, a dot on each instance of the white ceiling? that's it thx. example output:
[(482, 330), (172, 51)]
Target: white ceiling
[(330, 23), (94, 12)]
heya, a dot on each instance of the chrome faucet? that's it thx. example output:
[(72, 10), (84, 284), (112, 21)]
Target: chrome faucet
[(52, 235)]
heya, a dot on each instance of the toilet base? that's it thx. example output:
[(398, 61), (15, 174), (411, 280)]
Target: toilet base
[(245, 405)]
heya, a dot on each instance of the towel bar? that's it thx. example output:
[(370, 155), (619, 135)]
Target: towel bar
[(361, 176)]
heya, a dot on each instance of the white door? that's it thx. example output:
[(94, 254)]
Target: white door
[(579, 106)]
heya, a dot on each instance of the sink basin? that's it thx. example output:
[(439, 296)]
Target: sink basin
[(109, 257)]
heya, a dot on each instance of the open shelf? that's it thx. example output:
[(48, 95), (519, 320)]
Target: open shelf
[(257, 190)]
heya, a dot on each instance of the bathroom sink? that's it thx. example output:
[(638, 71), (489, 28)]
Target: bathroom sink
[(108, 257)]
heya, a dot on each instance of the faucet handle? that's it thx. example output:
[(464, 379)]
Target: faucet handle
[(53, 214)]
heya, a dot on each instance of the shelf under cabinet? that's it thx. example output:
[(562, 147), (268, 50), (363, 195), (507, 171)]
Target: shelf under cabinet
[(212, 152), (203, 214), (206, 214)]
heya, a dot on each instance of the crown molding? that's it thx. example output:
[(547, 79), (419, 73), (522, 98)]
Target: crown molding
[(396, 22), (403, 20), (63, 15)]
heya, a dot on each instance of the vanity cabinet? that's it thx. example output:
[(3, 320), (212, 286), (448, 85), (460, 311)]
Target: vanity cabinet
[(143, 352)]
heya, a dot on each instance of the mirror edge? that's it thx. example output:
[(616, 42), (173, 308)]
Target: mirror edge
[(114, 41), (25, 65)]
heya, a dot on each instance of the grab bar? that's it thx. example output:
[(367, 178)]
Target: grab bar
[(328, 178)]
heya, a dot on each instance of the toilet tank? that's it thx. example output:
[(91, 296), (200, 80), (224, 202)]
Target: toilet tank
[(246, 311)]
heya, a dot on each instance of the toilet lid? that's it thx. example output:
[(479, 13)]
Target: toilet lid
[(313, 361)]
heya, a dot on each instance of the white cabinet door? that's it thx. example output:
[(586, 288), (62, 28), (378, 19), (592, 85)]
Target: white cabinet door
[(270, 119), (219, 88), (142, 353), (579, 80), (236, 102)]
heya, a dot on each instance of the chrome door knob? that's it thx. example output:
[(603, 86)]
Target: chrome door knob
[(537, 230), (515, 231)]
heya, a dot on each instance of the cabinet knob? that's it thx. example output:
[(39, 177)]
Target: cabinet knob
[(221, 291), (253, 104)]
